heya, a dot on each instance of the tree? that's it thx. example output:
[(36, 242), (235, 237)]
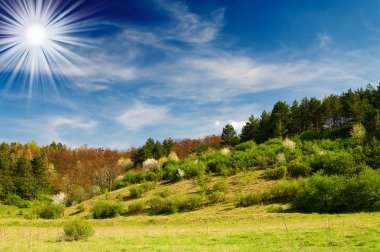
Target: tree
[(6, 175), (296, 119), (280, 119), (333, 111), (250, 129), (315, 114), (158, 150), (263, 133), (24, 179), (40, 173), (229, 136), (168, 145)]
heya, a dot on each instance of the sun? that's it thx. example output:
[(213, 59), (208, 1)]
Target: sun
[(35, 35), (38, 40)]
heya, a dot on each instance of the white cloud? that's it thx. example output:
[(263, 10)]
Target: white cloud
[(238, 125), (71, 122), (141, 115)]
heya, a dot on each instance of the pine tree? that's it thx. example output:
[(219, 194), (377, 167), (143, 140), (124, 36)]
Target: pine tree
[(250, 130), (24, 179), (229, 136), (41, 176)]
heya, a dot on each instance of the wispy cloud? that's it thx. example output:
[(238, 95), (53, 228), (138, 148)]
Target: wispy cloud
[(141, 115)]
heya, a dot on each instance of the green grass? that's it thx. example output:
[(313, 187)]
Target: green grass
[(217, 228), (221, 227)]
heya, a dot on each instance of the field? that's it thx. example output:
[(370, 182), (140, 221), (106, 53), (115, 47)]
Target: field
[(215, 229), (221, 227)]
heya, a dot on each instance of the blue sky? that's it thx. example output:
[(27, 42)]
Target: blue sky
[(184, 69)]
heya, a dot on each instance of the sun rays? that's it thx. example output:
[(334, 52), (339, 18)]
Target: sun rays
[(37, 38)]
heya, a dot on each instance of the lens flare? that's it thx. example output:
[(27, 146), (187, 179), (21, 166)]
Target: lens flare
[(37, 43)]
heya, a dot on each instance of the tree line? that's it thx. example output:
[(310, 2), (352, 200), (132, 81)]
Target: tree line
[(332, 117)]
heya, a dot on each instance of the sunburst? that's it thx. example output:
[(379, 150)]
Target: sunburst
[(37, 38)]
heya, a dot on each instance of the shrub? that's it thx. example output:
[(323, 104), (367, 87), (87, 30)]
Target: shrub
[(245, 200), (289, 144), (193, 168), (51, 211), (220, 186), (245, 146), (105, 209), (176, 204), (173, 157), (59, 198), (151, 164), (169, 169), (297, 168), (136, 207), (159, 205), (276, 173), (338, 162), (285, 191), (136, 191), (15, 200), (216, 197), (78, 230), (190, 203), (166, 192)]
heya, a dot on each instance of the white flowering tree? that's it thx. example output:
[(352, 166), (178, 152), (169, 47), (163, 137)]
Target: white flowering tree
[(59, 198), (289, 144), (125, 163), (151, 164)]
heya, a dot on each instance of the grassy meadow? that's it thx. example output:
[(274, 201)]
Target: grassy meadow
[(220, 227)]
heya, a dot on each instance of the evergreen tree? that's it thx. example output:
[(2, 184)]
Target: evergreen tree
[(168, 145), (296, 119), (7, 167), (280, 119), (264, 127), (229, 136), (24, 179), (250, 129), (41, 176), (158, 150)]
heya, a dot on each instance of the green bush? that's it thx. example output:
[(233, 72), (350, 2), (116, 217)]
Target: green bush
[(276, 173), (169, 169), (15, 200), (190, 203), (136, 207), (51, 211), (176, 203), (137, 191), (166, 192), (158, 205), (136, 178), (216, 197), (221, 186), (78, 230), (105, 209), (285, 191), (331, 194), (193, 168), (297, 168), (245, 200)]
